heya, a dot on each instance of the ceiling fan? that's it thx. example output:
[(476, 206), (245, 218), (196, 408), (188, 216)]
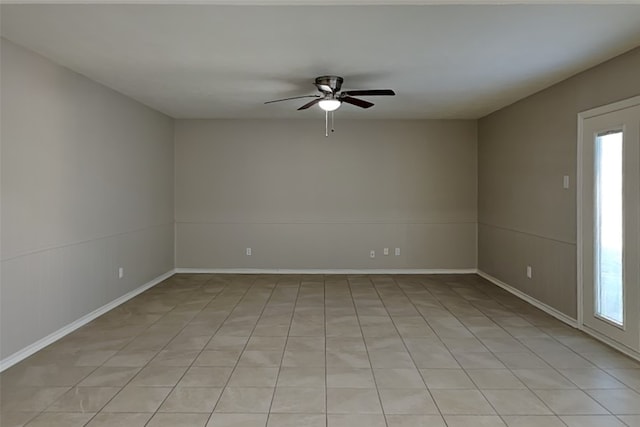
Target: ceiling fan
[(331, 98)]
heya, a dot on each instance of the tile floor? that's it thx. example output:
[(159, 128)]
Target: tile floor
[(311, 351)]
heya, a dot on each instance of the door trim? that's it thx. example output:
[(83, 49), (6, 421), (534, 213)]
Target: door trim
[(582, 116)]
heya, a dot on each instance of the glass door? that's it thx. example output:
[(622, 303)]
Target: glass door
[(609, 226), (608, 239)]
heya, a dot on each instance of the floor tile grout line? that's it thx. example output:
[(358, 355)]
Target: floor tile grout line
[(266, 302), (213, 335), (178, 333), (489, 350), (505, 366), (140, 370), (405, 344), (511, 370), (453, 355), (355, 308), (500, 292), (284, 350), (182, 329), (39, 413)]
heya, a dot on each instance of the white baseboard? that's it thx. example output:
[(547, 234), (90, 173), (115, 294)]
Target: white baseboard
[(321, 271), (534, 302), (561, 316), (608, 341), (40, 344), (65, 330)]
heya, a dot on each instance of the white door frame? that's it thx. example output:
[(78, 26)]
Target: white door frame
[(620, 105)]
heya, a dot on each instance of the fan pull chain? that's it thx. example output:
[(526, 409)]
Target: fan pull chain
[(326, 123)]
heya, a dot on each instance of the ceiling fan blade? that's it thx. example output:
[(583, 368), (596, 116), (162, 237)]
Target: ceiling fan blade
[(358, 102), (369, 92), (294, 97), (309, 104)]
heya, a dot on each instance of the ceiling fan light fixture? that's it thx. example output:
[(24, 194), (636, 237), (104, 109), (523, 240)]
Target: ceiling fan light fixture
[(329, 104)]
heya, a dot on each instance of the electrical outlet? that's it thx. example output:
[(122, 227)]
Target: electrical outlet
[(372, 254), (248, 252), (397, 252), (565, 182), (385, 251), (120, 272), (529, 272)]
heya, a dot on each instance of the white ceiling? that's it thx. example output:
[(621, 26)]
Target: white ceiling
[(221, 61)]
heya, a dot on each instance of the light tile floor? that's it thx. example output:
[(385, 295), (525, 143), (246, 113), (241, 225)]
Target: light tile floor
[(323, 351)]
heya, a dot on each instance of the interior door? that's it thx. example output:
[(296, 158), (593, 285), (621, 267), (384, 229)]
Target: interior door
[(610, 211)]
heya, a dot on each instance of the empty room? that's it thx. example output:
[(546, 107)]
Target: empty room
[(266, 213)]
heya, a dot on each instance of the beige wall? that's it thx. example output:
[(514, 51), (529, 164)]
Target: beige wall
[(525, 217), (87, 187), (303, 201)]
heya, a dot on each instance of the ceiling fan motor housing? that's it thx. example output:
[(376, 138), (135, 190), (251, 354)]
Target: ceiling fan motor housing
[(329, 84)]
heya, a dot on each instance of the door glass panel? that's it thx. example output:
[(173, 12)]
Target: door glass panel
[(609, 291)]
